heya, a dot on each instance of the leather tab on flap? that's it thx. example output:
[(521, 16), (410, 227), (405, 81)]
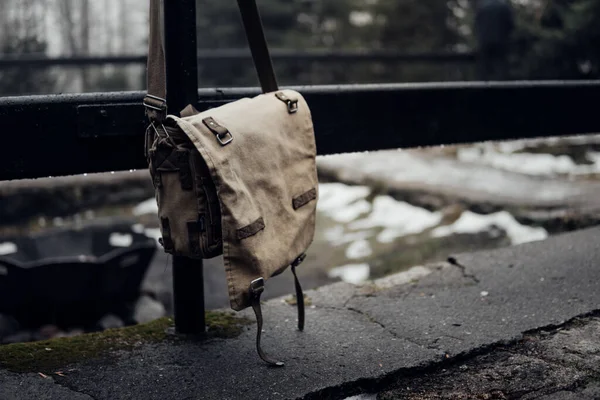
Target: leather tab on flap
[(223, 135), (251, 229), (304, 198), (292, 104)]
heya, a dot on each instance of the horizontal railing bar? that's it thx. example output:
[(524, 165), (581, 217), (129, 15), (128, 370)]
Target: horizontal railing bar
[(77, 133), (329, 56)]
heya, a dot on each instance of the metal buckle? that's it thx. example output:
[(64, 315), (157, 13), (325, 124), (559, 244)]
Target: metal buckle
[(163, 127), (257, 286), (162, 107), (226, 141), (292, 106)]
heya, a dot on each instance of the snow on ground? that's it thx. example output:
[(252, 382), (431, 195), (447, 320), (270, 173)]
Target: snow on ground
[(358, 249), (337, 235), (470, 222), (117, 239), (146, 207), (435, 174), (343, 203), (153, 233), (397, 218), (7, 248), (529, 163), (351, 273), (359, 222)]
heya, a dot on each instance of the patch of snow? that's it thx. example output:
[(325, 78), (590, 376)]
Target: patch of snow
[(343, 203), (146, 207), (525, 163), (358, 249), (351, 273), (137, 228), (398, 218), (153, 233), (337, 235), (7, 248), (120, 240), (470, 222), (445, 175)]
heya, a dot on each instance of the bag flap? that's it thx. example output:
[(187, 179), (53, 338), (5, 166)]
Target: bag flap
[(261, 154)]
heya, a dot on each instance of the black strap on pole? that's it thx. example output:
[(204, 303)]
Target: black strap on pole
[(258, 45)]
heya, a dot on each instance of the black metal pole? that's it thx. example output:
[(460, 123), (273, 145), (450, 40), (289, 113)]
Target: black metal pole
[(188, 296), (182, 89)]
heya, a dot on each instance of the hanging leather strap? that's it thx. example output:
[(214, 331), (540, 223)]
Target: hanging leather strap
[(257, 286), (299, 293), (155, 100)]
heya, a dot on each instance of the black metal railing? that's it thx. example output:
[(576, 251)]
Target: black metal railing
[(243, 55)]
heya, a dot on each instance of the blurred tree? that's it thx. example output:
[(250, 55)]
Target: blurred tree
[(220, 27), (403, 25), (416, 26), (22, 31), (565, 41)]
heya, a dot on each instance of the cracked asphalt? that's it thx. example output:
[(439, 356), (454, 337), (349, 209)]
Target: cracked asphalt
[(495, 313), (551, 364)]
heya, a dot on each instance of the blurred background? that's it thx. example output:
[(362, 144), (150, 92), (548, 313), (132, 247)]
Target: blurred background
[(313, 42), (379, 213)]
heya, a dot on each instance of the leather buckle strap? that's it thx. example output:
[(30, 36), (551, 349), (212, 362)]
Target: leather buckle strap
[(223, 135), (257, 286), (156, 107)]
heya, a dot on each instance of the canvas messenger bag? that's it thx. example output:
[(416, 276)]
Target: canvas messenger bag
[(238, 180)]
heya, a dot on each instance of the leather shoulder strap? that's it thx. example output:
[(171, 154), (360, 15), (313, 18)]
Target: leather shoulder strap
[(155, 100), (258, 45), (156, 74)]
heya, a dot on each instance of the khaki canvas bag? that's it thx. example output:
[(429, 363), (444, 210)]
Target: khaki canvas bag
[(238, 180)]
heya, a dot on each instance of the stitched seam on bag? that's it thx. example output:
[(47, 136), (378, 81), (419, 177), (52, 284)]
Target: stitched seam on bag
[(227, 264), (252, 229), (304, 198)]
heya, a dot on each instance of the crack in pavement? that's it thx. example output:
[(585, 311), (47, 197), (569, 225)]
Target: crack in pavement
[(394, 334), (463, 269), (383, 383)]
